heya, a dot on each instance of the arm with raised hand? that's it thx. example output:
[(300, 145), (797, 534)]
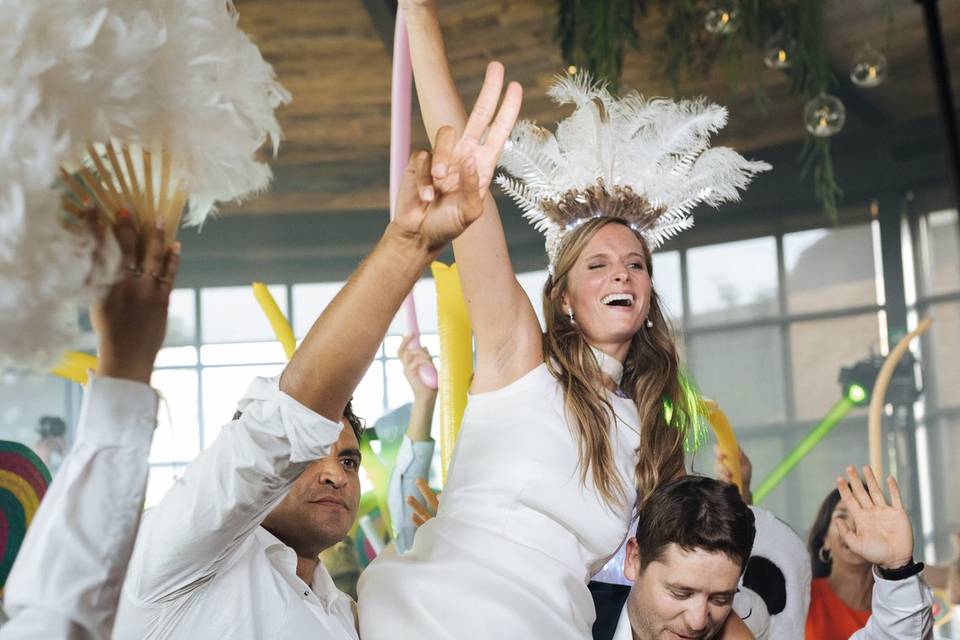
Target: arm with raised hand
[(416, 452), (66, 579), (881, 533), (284, 425), (504, 322)]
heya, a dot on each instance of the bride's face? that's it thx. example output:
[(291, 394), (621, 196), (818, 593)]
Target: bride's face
[(608, 289)]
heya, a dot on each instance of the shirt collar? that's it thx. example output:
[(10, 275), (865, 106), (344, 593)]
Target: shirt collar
[(285, 559)]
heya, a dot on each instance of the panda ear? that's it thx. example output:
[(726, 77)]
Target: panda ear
[(766, 579)]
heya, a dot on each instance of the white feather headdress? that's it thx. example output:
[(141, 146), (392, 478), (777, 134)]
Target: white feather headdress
[(648, 162)]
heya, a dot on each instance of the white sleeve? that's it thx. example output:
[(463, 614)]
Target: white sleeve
[(413, 462), (226, 492), (66, 580), (901, 610)]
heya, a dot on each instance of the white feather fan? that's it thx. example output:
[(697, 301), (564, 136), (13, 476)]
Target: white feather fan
[(79, 78)]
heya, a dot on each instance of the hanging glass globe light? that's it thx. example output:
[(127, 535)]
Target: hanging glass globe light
[(721, 17), (779, 51), (824, 116), (869, 67)]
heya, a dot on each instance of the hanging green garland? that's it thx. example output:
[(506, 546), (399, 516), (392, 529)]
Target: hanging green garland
[(700, 34)]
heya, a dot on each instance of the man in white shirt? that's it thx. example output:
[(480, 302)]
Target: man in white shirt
[(693, 539), (695, 532), (231, 550), (66, 580)]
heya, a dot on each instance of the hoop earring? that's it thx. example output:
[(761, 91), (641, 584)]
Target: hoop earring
[(824, 555), (648, 323)]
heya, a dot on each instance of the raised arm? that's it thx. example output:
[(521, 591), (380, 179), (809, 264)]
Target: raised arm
[(881, 533), (504, 322), (66, 579), (229, 489)]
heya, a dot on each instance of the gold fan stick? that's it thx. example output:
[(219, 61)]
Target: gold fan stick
[(77, 189), (71, 207), (874, 422), (175, 213), (118, 173), (149, 210), (134, 183), (162, 203), (102, 198), (106, 180)]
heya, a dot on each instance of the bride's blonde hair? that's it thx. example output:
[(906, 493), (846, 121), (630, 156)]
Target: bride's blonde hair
[(651, 378)]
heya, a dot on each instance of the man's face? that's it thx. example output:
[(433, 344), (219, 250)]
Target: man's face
[(684, 594), (322, 503)]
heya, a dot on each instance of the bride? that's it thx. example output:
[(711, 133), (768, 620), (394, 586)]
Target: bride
[(567, 431)]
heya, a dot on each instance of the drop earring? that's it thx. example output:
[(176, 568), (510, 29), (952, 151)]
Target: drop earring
[(570, 315), (648, 323)]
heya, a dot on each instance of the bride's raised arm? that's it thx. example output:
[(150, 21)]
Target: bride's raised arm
[(504, 322)]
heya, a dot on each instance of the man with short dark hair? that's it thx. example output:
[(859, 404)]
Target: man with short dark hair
[(694, 536), (231, 551)]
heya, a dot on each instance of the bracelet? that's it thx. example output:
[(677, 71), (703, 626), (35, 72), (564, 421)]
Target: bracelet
[(901, 573)]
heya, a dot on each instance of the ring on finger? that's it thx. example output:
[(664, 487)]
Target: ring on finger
[(160, 278), (135, 270)]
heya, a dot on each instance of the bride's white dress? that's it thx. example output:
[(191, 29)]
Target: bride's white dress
[(518, 534)]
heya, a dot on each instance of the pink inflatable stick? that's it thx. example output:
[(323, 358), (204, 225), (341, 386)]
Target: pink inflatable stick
[(400, 100)]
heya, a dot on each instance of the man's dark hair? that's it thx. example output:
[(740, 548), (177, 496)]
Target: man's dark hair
[(356, 422), (695, 512), (52, 427)]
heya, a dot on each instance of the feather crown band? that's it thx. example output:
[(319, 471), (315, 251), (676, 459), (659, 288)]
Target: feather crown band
[(646, 162)]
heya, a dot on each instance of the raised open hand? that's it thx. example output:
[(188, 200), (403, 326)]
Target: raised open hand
[(484, 137), (131, 320), (881, 532)]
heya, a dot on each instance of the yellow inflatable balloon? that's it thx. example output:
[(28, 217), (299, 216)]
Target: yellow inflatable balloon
[(74, 366), (281, 327), (726, 438), (456, 357)]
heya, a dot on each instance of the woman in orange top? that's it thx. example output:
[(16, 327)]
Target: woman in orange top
[(842, 586)]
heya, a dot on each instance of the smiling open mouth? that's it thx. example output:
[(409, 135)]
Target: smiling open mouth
[(618, 300)]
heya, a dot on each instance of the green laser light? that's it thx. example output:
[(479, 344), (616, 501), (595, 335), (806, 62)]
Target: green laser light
[(856, 393)]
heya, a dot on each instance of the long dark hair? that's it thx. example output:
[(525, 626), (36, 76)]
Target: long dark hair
[(818, 534)]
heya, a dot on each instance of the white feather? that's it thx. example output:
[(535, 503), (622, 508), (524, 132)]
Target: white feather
[(176, 73), (659, 149)]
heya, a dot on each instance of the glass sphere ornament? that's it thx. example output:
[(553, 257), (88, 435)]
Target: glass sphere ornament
[(824, 116), (869, 67), (721, 17), (779, 51)]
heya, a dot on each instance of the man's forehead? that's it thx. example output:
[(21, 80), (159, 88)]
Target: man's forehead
[(347, 439), (697, 568)]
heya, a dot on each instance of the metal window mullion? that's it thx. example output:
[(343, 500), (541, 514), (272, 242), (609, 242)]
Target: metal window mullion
[(786, 353)]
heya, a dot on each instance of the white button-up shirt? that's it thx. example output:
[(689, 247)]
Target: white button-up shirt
[(204, 568), (66, 580)]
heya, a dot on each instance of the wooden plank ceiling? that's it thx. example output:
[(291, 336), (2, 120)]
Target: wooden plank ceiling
[(331, 55)]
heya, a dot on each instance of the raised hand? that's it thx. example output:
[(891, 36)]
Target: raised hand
[(427, 510), (413, 359), (433, 220), (131, 321), (721, 471), (881, 532), (482, 139)]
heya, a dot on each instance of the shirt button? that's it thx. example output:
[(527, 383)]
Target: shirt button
[(305, 594)]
